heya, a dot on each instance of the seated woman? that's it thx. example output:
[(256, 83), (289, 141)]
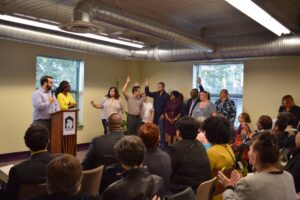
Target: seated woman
[(264, 124), (243, 130), (268, 183), (293, 165), (157, 161), (190, 164), (288, 105), (217, 131), (64, 97), (205, 108), (281, 134)]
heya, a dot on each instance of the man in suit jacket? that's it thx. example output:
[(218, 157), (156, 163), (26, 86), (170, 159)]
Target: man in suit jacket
[(33, 170), (194, 100), (101, 151)]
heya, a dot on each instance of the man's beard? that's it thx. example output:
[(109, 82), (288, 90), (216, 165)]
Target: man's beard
[(49, 87)]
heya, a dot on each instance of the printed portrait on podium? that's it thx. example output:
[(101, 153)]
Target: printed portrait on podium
[(69, 123)]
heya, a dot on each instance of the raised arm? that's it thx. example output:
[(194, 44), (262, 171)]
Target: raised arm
[(98, 106), (147, 90), (125, 87), (199, 81)]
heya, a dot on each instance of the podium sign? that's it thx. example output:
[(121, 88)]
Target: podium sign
[(63, 137), (69, 123)]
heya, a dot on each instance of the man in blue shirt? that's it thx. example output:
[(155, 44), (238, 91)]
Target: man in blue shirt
[(160, 99), (44, 103)]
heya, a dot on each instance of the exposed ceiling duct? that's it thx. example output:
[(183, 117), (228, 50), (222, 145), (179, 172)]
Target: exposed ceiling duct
[(249, 48), (233, 49), (98, 11), (58, 41)]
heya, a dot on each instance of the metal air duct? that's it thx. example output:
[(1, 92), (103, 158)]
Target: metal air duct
[(98, 11)]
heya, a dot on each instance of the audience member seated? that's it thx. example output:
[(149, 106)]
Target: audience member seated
[(157, 161), (137, 183), (293, 165), (264, 124), (190, 164), (242, 133), (101, 152), (288, 105), (64, 176), (244, 128), (292, 122), (217, 130), (280, 131), (268, 183), (33, 170)]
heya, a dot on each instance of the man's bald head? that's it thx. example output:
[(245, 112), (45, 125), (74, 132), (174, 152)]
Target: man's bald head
[(114, 122)]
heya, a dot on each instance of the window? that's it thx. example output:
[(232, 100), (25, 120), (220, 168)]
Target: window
[(222, 76), (62, 69)]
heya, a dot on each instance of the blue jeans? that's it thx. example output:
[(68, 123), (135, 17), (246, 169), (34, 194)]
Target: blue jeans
[(161, 125)]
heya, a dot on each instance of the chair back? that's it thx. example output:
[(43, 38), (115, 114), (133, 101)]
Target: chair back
[(205, 189), (91, 181), (111, 174), (186, 194), (27, 190), (219, 189)]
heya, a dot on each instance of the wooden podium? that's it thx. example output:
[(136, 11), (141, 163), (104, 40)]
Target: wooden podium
[(63, 137)]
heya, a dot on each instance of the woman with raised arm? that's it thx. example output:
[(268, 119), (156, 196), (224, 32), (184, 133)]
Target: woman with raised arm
[(109, 104)]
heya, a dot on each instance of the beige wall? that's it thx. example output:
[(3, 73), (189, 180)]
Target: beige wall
[(17, 82), (265, 82)]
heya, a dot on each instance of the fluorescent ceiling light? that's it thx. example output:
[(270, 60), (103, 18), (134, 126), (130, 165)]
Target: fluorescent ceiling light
[(249, 8), (56, 28)]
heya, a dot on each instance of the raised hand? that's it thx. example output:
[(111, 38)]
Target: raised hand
[(128, 79), (147, 82), (199, 81)]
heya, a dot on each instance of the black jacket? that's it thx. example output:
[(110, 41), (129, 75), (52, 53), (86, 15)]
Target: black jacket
[(190, 164), (63, 197), (101, 150), (137, 184), (31, 171), (158, 162), (293, 166), (159, 102), (189, 102), (294, 110)]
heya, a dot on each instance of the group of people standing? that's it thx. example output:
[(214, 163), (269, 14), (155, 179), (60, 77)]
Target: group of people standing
[(166, 108)]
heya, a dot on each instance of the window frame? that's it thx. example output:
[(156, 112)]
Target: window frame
[(79, 82), (196, 72)]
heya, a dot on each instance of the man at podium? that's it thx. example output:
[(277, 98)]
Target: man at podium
[(44, 102)]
